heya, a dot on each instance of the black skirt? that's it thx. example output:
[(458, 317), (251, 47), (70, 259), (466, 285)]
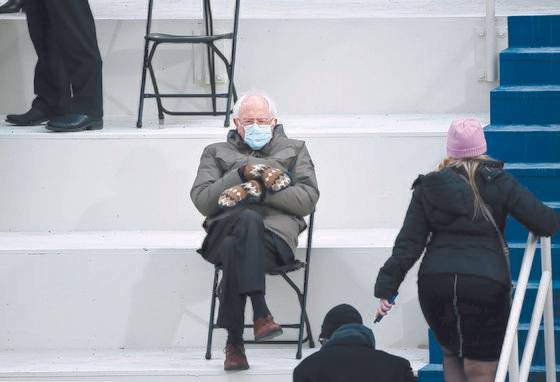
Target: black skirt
[(468, 314)]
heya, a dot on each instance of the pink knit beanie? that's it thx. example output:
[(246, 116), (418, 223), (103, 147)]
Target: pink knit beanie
[(465, 139)]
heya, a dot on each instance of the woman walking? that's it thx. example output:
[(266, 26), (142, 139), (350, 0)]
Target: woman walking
[(457, 216)]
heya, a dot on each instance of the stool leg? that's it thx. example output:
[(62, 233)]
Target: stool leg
[(211, 320)]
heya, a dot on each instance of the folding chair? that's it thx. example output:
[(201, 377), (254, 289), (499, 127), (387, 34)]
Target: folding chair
[(153, 40), (302, 298)]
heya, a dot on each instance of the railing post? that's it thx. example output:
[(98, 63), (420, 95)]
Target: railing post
[(491, 58), (515, 313), (528, 351), (546, 261), (513, 369)]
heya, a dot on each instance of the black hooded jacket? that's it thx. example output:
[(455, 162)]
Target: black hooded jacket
[(440, 220), (350, 356)]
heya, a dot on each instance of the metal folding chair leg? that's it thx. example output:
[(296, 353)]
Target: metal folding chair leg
[(212, 314), (232, 65), (143, 85), (209, 27)]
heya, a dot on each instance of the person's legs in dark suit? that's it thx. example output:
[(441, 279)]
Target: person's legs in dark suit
[(73, 25), (51, 84)]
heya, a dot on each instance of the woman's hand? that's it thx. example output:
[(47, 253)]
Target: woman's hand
[(384, 307)]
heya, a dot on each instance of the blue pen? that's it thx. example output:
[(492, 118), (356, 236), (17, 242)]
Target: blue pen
[(380, 317)]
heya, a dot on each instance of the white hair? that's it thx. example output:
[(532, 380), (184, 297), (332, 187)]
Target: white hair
[(255, 93)]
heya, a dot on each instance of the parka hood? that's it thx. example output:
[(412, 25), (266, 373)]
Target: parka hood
[(448, 191), (352, 335)]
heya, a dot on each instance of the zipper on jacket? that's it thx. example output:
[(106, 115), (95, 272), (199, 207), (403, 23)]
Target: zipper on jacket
[(458, 316)]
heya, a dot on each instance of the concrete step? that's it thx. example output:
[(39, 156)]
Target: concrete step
[(516, 253), (434, 373), (524, 143), (122, 178), (543, 179), (534, 31), (151, 290), (274, 364), (530, 66), (518, 105), (516, 232)]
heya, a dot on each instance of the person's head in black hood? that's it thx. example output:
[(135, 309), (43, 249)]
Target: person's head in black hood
[(336, 317), (348, 353)]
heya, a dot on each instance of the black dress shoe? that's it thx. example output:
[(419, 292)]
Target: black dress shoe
[(74, 122), (32, 118), (11, 6)]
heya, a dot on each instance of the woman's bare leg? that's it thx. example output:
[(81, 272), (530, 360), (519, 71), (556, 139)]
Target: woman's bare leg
[(480, 371), (453, 367)]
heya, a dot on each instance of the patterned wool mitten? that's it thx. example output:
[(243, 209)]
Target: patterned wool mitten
[(252, 171), (242, 193), (275, 180)]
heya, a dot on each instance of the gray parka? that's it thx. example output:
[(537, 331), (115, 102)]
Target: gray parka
[(282, 211)]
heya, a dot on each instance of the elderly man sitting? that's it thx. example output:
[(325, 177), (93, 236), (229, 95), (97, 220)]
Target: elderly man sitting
[(254, 190)]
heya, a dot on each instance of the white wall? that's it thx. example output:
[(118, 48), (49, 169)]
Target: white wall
[(311, 66)]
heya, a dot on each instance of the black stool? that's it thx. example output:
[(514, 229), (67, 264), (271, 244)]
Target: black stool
[(155, 39), (302, 298)]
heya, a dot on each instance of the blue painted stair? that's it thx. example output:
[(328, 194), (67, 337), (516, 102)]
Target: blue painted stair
[(525, 133)]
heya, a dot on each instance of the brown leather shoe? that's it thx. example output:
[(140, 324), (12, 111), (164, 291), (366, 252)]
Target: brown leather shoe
[(235, 358), (266, 329)]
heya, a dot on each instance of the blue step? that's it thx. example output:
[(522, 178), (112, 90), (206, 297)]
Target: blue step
[(436, 356), (534, 31), (434, 373), (543, 179), (530, 66), (525, 105), (524, 143), (516, 252), (530, 298), (539, 354), (516, 232)]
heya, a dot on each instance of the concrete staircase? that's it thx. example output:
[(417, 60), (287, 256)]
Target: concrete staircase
[(99, 274), (525, 133), (99, 279)]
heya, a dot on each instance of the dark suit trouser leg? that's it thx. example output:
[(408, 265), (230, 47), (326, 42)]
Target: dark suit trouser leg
[(72, 23), (51, 84), (243, 259)]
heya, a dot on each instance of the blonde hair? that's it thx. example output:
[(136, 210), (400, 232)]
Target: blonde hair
[(470, 165)]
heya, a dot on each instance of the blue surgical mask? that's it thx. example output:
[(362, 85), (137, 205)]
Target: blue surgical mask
[(257, 136)]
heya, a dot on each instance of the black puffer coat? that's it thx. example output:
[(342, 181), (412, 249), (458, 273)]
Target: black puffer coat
[(350, 356), (442, 205)]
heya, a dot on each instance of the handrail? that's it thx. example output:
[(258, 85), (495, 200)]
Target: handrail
[(509, 354)]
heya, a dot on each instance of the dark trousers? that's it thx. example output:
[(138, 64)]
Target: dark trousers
[(246, 251), (68, 74)]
